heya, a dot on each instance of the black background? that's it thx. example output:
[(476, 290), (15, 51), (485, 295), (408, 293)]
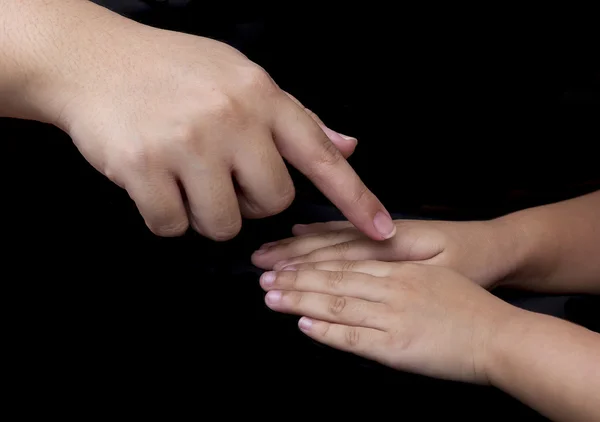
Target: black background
[(459, 113)]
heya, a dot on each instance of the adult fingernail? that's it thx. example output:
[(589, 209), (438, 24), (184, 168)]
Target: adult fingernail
[(384, 225), (348, 138), (305, 323), (268, 278), (273, 297), (336, 136)]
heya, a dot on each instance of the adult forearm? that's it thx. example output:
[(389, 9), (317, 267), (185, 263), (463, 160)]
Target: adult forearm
[(549, 364), (556, 246), (41, 46)]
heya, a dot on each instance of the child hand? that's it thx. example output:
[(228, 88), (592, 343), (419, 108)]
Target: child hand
[(483, 251), (412, 317)]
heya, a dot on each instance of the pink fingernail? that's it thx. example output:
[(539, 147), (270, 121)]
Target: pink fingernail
[(384, 225), (289, 268), (268, 278), (273, 297), (305, 323), (336, 136)]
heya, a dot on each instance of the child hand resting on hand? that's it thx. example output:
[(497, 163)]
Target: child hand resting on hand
[(426, 310)]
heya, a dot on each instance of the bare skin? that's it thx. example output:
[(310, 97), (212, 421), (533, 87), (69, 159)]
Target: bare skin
[(426, 309), (552, 248), (194, 131), (433, 321)]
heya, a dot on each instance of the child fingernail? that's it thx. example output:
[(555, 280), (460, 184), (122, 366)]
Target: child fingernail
[(305, 323), (268, 278), (273, 297)]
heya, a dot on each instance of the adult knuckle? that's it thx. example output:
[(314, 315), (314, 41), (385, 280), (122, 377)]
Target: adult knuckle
[(114, 174), (286, 195), (225, 231), (222, 107), (329, 156), (170, 228), (131, 157), (255, 79), (191, 137), (281, 201), (183, 134), (361, 194), (337, 304)]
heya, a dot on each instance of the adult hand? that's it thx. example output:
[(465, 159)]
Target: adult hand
[(417, 318), (194, 131), (483, 251)]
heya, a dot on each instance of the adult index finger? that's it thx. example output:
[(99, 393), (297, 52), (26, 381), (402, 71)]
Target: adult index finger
[(303, 143)]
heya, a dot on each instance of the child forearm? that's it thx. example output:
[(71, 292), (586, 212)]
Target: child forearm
[(557, 246), (549, 364)]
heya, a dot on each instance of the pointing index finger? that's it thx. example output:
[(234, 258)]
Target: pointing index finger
[(303, 143)]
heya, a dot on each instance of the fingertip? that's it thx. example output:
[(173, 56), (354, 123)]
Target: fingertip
[(267, 279), (273, 298), (299, 229), (174, 229), (393, 233), (337, 137), (257, 260), (345, 144), (305, 324), (384, 225)]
